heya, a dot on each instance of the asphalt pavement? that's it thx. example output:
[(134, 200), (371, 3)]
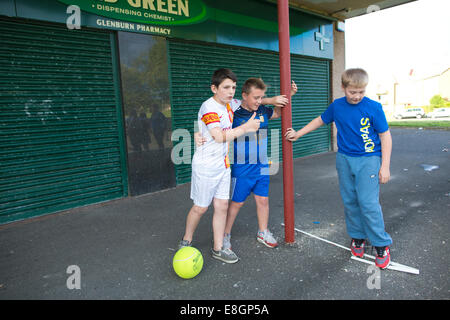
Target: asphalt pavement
[(123, 249)]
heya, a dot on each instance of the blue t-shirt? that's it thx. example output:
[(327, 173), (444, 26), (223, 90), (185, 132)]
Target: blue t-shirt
[(358, 126), (250, 150)]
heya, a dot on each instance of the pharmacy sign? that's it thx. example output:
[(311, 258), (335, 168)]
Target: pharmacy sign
[(158, 12)]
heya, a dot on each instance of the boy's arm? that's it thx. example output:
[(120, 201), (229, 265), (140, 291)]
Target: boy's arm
[(276, 101), (386, 150), (291, 135), (220, 136), (282, 100), (277, 110), (276, 113), (199, 139)]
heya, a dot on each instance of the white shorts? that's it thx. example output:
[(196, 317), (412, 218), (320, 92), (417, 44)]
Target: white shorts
[(205, 186)]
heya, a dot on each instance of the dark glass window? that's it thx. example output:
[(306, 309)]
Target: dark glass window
[(145, 92)]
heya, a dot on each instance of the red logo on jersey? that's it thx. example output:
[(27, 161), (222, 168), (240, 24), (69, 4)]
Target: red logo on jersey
[(210, 117)]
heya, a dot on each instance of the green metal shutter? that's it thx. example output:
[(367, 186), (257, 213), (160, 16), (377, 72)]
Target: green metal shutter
[(191, 68), (61, 132), (312, 99)]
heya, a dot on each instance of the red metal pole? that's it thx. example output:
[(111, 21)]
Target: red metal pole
[(286, 119)]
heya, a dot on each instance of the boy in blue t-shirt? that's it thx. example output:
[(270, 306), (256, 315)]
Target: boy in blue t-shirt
[(362, 162), (250, 168)]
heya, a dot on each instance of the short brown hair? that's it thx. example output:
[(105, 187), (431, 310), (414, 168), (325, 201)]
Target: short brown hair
[(250, 83), (221, 74), (355, 77)]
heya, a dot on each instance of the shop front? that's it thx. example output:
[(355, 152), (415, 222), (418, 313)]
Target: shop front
[(92, 91)]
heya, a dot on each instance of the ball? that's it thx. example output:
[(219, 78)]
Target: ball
[(187, 262)]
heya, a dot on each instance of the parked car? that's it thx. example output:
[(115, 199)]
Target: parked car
[(439, 113), (410, 113)]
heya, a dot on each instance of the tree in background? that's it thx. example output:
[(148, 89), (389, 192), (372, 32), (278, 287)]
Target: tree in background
[(438, 102)]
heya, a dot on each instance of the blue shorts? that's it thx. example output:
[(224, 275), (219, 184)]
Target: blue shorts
[(242, 187)]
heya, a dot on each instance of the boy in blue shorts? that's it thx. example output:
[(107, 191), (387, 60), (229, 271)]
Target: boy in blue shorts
[(362, 162), (250, 169), (210, 182)]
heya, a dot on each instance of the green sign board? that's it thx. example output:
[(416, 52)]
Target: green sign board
[(246, 23), (157, 12)]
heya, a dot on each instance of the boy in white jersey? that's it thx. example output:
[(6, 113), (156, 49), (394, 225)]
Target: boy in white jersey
[(210, 164)]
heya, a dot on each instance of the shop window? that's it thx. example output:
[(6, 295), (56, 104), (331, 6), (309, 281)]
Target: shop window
[(146, 101)]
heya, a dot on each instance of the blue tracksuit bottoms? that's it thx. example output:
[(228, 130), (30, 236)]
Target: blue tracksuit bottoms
[(360, 189)]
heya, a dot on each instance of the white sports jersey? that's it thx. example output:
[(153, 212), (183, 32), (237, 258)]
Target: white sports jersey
[(213, 156)]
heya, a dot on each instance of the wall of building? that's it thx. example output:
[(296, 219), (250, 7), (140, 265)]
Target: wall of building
[(337, 68), (252, 24), (313, 45), (444, 84)]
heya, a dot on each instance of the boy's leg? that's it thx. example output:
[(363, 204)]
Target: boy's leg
[(347, 188), (219, 221), (240, 190), (192, 221), (203, 189), (220, 202), (264, 235), (368, 189), (262, 211), (233, 210), (261, 192)]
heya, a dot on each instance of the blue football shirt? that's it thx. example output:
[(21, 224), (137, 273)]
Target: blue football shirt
[(358, 126), (250, 150)]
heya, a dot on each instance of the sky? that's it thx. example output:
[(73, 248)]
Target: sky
[(392, 42)]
